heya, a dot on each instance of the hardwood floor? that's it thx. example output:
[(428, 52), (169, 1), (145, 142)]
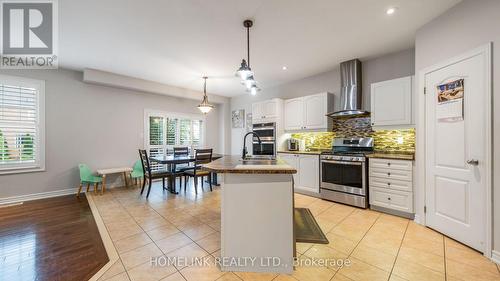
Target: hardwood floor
[(50, 239)]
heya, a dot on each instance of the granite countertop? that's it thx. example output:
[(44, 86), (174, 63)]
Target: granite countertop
[(314, 152), (398, 155), (234, 165)]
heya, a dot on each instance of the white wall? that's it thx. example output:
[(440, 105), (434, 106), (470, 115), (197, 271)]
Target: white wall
[(468, 25), (387, 67), (97, 125)]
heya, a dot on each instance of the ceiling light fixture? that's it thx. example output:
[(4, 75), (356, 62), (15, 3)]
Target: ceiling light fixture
[(253, 90), (245, 72), (390, 11), (284, 68), (204, 106)]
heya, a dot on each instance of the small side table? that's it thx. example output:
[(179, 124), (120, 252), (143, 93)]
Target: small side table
[(104, 172)]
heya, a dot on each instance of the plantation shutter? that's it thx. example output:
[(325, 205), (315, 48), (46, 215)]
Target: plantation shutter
[(19, 125), (166, 131)]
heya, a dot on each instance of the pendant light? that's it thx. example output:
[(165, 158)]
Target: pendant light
[(245, 72), (204, 106)]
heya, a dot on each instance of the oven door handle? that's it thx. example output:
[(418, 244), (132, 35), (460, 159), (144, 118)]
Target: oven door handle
[(264, 142), (263, 128), (343, 162)]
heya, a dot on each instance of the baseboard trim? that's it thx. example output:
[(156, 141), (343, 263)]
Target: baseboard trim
[(495, 256), (35, 196)]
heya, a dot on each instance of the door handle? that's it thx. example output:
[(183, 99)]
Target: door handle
[(473, 162)]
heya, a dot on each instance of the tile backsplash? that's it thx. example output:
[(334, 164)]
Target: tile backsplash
[(401, 140), (315, 140)]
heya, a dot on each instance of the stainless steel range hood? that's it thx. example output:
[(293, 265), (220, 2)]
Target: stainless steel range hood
[(350, 90)]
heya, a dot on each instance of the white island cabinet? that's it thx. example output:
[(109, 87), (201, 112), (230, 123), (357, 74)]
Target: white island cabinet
[(256, 215)]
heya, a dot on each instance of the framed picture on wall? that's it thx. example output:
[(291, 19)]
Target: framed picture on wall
[(238, 118)]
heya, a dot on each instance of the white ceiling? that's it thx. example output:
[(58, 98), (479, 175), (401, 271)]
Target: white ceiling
[(178, 41)]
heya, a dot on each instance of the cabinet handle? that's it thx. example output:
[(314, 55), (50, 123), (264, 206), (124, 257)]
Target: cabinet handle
[(389, 198), (389, 183), (389, 174), (373, 124), (388, 164)]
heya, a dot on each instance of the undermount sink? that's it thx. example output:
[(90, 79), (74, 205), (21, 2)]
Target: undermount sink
[(259, 160)]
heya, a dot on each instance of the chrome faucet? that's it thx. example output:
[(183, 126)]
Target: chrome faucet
[(244, 152)]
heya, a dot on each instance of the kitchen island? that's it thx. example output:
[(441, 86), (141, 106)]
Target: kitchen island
[(256, 215)]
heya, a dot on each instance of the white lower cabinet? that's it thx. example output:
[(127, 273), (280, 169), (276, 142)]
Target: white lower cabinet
[(391, 184), (306, 180)]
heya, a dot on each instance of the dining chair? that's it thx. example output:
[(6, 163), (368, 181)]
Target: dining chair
[(150, 175), (202, 156), (87, 177), (137, 171), (179, 169)]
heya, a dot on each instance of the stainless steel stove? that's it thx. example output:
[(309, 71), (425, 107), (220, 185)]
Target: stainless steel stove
[(344, 173)]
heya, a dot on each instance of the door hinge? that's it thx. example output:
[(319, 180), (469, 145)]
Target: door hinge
[(425, 90), (425, 209)]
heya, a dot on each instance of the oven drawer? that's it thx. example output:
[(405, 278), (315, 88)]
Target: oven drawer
[(391, 164), (391, 184), (392, 199), (391, 174)]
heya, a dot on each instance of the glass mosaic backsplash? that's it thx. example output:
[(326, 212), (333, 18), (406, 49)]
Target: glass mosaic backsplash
[(315, 140), (395, 140), (401, 140)]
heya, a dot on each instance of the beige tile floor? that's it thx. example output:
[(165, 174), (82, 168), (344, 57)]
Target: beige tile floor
[(379, 246)]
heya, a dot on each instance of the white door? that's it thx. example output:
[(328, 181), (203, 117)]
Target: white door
[(391, 102), (314, 112), (309, 173), (455, 184), (294, 114)]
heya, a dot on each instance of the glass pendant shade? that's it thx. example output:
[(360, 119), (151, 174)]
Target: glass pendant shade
[(249, 82), (205, 106), (253, 90), (244, 72)]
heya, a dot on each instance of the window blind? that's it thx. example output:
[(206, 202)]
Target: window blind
[(19, 126), (167, 131)]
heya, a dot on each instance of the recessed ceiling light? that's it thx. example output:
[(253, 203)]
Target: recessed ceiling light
[(284, 68), (390, 11)]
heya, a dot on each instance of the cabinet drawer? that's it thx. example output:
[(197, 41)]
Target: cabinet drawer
[(392, 199), (391, 164), (391, 184), (391, 174)]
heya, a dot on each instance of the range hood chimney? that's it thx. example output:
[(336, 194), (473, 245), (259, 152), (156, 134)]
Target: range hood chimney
[(350, 90)]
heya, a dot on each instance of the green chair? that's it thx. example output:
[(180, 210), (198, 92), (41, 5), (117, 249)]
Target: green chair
[(87, 177), (137, 172)]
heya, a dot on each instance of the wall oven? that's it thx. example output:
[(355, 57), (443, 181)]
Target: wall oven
[(267, 135)]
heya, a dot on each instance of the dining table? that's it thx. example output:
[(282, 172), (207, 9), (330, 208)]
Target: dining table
[(170, 161)]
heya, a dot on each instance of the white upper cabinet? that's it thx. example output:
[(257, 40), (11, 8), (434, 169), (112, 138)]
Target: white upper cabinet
[(391, 102), (309, 112), (293, 114), (266, 111)]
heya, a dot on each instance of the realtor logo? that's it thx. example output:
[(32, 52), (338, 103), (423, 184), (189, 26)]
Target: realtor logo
[(28, 34)]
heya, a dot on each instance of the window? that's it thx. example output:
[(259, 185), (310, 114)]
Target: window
[(21, 124), (166, 130)]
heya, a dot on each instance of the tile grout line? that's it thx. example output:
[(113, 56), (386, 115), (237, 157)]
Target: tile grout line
[(154, 242), (399, 249), (114, 245), (144, 231)]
